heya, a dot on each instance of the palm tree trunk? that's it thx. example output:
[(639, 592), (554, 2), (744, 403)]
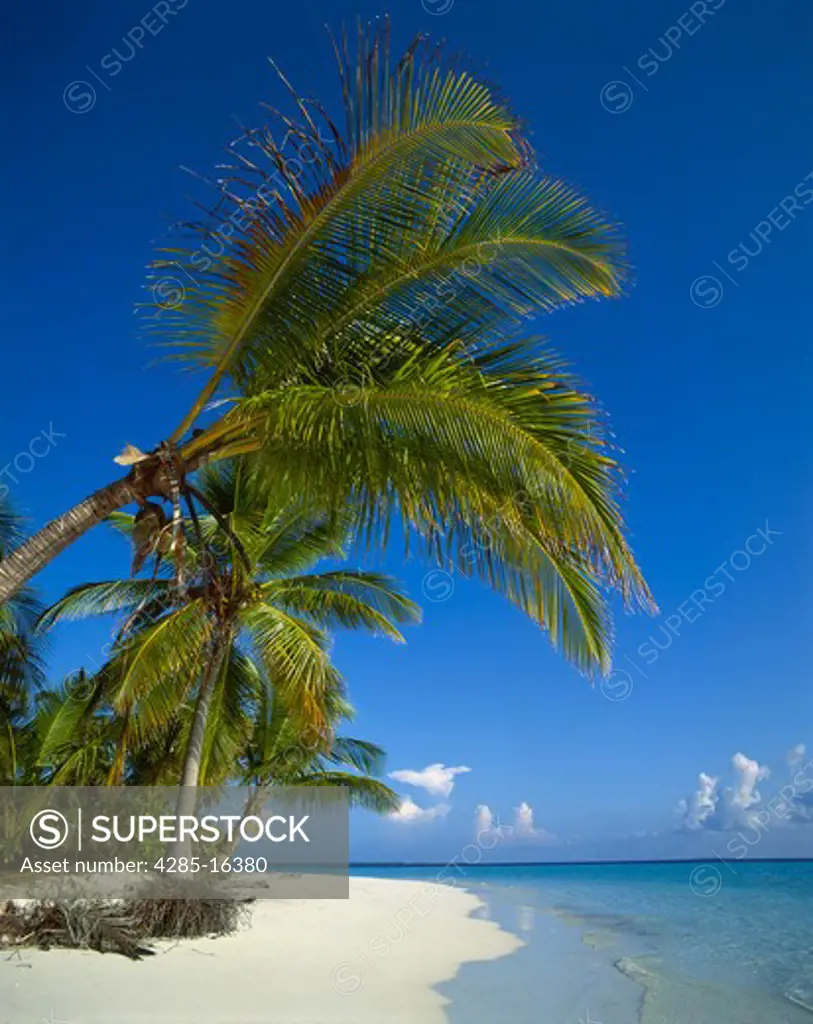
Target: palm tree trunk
[(193, 758), (35, 553), (253, 806), (194, 749)]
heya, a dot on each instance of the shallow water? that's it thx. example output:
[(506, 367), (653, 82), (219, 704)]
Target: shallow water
[(642, 944)]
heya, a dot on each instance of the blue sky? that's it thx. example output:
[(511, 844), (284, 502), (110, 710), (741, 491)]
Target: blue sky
[(683, 122)]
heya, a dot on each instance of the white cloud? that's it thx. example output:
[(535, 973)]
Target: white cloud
[(484, 819), (800, 799), (702, 804), (409, 812), (744, 795), (435, 778), (522, 828), (486, 825), (706, 810), (524, 819)]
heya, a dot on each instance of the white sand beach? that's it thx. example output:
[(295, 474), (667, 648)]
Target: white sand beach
[(373, 958)]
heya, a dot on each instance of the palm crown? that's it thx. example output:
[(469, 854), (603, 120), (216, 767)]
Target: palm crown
[(363, 313), (250, 619)]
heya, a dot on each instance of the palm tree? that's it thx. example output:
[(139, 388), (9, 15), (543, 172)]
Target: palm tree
[(75, 734), (280, 753), (20, 666), (364, 318), (78, 738), (251, 615)]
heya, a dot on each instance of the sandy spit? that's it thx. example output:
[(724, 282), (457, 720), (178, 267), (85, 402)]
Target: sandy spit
[(373, 958)]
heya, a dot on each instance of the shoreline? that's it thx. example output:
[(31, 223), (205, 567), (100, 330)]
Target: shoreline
[(561, 973), (377, 957)]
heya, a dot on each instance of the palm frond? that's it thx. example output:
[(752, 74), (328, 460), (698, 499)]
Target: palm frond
[(11, 530), (314, 230), (362, 791), (21, 650), (297, 537), (521, 247), (346, 599), (453, 447), (362, 755), (107, 597), (294, 654), (230, 722), (159, 663), (74, 744)]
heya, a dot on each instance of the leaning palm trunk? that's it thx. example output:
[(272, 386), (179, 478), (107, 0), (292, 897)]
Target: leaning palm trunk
[(193, 759), (39, 550), (150, 477)]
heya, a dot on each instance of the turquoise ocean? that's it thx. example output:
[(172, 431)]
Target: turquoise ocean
[(648, 943)]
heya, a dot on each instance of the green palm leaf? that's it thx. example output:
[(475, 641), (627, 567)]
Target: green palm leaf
[(362, 755), (295, 658), (107, 597), (311, 242), (524, 246), (163, 658), (351, 600), (371, 794), (230, 717)]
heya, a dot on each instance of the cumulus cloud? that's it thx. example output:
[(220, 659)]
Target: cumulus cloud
[(486, 825), (524, 820), (737, 805), (799, 794), (743, 798), (409, 812), (484, 819), (702, 804), (522, 828), (435, 778)]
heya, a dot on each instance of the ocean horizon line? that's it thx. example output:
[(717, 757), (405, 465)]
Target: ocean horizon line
[(574, 863)]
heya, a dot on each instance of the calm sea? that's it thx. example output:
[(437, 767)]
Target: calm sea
[(640, 944)]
